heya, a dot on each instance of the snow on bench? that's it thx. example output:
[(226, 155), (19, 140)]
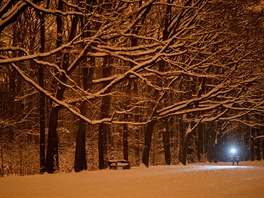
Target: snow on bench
[(119, 164)]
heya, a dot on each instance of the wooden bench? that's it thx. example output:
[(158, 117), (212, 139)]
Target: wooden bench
[(119, 164)]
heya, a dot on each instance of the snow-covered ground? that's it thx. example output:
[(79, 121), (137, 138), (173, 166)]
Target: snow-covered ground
[(192, 181)]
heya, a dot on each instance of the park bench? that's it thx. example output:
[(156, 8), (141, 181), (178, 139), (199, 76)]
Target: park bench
[(119, 164)]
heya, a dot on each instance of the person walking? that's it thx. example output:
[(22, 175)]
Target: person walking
[(235, 158)]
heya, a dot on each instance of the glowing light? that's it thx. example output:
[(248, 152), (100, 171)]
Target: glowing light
[(233, 150)]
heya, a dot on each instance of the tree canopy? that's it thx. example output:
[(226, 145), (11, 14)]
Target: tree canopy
[(175, 67)]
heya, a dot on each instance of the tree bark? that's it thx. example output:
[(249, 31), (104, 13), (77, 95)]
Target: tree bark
[(211, 144), (166, 141), (80, 162), (104, 128), (52, 155), (258, 147), (200, 143), (185, 144), (252, 146), (42, 100), (182, 133), (125, 139), (102, 145), (147, 142)]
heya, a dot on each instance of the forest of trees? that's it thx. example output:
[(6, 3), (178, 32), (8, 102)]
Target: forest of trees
[(149, 81)]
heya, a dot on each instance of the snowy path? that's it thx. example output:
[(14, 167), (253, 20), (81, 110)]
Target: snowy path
[(191, 181)]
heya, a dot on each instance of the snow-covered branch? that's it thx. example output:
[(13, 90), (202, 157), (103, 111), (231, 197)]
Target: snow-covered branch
[(59, 102)]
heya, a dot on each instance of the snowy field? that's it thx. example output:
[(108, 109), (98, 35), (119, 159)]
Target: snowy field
[(192, 181)]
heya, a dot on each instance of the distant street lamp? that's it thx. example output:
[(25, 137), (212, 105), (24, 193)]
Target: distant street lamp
[(233, 151)]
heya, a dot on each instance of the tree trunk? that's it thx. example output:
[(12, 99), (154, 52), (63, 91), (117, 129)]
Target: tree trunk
[(252, 146), (137, 147), (102, 145), (52, 155), (80, 162), (147, 142), (125, 126), (211, 145), (42, 100), (200, 143), (125, 139), (104, 128), (258, 147), (182, 134), (166, 142), (185, 145)]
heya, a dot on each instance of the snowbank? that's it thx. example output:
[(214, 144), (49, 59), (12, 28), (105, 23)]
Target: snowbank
[(191, 181)]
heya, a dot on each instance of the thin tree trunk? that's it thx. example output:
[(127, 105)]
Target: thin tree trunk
[(42, 100), (2, 161), (147, 142), (52, 158), (80, 162), (166, 143), (200, 143), (102, 145), (125, 126), (252, 146), (258, 148), (104, 128), (211, 144), (52, 155), (125, 139), (184, 140), (137, 147)]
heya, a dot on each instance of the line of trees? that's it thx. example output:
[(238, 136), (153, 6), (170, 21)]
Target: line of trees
[(149, 81)]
